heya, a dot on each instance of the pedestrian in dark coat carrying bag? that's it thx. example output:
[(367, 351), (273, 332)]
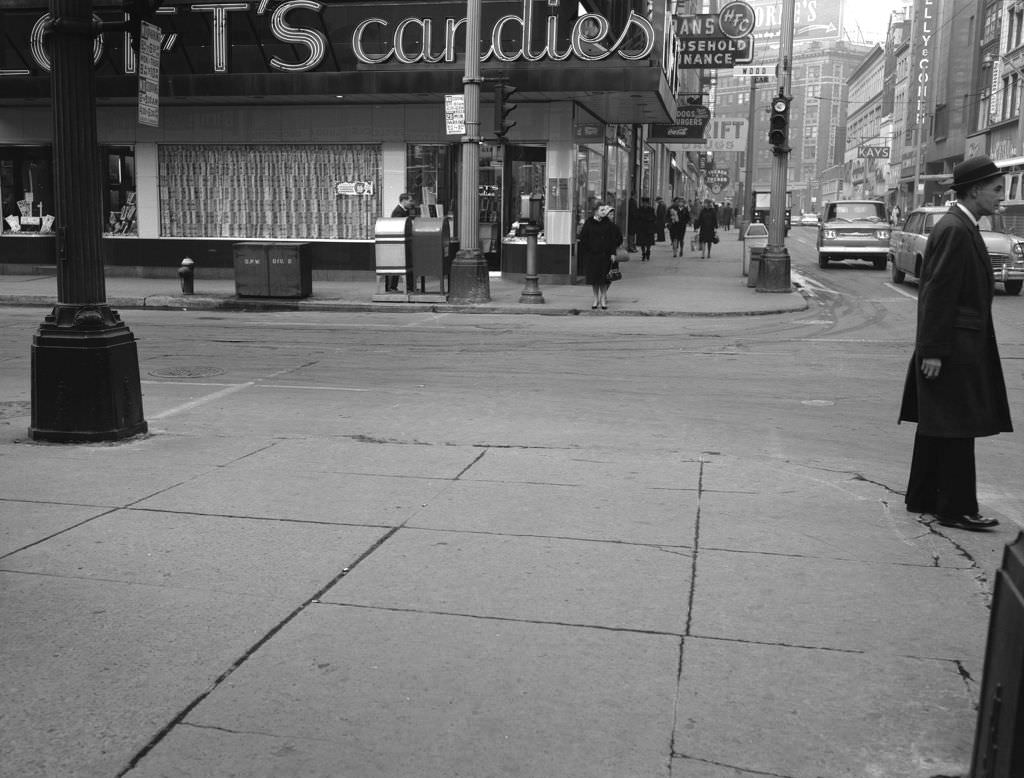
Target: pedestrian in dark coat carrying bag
[(598, 240), (954, 388)]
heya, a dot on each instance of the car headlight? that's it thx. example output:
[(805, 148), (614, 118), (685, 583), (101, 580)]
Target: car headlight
[(830, 234), (1017, 250), (882, 234)]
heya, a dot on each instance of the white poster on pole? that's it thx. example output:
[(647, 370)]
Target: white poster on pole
[(149, 74)]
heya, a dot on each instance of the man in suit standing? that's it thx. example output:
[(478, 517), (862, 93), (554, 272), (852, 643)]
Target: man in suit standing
[(403, 210), (954, 388)]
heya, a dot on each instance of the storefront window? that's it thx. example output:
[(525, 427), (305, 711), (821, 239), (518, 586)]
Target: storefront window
[(527, 170), (287, 191), (120, 205), (26, 189), (589, 177), (618, 183), (490, 188), (430, 172)]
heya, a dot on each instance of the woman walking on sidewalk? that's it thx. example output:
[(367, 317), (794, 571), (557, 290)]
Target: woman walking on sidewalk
[(678, 218), (646, 225), (707, 224), (598, 239)]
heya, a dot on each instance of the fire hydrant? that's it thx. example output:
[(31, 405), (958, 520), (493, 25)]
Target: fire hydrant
[(187, 274)]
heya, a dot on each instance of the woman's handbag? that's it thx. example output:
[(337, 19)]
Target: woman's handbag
[(714, 238), (614, 274), (621, 255)]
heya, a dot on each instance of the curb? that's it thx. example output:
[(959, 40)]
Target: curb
[(243, 304)]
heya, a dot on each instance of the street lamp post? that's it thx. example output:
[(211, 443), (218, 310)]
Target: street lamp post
[(85, 366), (774, 274), (469, 281)]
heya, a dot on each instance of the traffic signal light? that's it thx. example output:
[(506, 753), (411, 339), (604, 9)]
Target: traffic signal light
[(778, 124), (502, 108), (140, 11)]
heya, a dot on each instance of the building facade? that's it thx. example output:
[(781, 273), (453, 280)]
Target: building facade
[(303, 120)]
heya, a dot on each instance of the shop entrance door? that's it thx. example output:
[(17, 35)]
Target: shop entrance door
[(492, 226)]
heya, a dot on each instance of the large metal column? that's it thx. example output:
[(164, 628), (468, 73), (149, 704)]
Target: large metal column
[(469, 281), (85, 367), (775, 262)]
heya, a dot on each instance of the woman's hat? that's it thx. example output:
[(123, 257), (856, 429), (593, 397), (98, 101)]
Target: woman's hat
[(974, 171)]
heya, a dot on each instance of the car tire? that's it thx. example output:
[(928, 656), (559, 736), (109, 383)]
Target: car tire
[(822, 260), (897, 275), (1013, 287)]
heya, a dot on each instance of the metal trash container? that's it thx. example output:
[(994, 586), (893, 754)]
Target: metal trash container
[(391, 247), (754, 270), (251, 279), (289, 270), (755, 241), (266, 269), (999, 739), (429, 246)]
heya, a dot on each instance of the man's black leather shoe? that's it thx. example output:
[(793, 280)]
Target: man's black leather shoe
[(972, 522)]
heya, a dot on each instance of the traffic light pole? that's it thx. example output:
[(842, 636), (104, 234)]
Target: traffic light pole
[(469, 281), (85, 366), (775, 262)]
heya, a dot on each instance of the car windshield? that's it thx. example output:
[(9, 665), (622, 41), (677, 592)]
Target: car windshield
[(986, 223), (872, 212)]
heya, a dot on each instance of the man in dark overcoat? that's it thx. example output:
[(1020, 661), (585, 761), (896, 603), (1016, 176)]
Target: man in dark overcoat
[(954, 388)]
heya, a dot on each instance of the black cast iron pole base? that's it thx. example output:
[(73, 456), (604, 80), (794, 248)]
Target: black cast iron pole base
[(85, 377), (774, 275), (469, 281)]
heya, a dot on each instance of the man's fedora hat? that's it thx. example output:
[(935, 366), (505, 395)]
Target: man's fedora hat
[(974, 171)]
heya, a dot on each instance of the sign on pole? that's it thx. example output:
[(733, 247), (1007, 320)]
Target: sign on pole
[(873, 152), (726, 135), (688, 128), (721, 40), (753, 71), (455, 114), (149, 74)]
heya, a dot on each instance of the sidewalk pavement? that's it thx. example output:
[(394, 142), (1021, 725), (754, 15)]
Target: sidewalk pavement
[(689, 286), (279, 581)]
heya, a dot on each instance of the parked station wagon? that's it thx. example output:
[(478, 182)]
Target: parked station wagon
[(1006, 250), (853, 229)]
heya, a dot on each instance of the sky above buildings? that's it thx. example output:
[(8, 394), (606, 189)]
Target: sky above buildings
[(869, 18)]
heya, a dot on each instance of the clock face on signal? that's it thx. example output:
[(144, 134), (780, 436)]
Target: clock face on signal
[(780, 105)]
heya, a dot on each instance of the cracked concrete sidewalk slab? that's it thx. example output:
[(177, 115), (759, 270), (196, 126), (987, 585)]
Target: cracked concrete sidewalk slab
[(97, 667), (821, 523), (525, 578), (807, 713), (849, 605), (228, 555), (357, 692), (650, 516)]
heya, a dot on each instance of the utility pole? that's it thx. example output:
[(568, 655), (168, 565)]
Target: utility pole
[(775, 262), (85, 366), (748, 183), (469, 281)]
